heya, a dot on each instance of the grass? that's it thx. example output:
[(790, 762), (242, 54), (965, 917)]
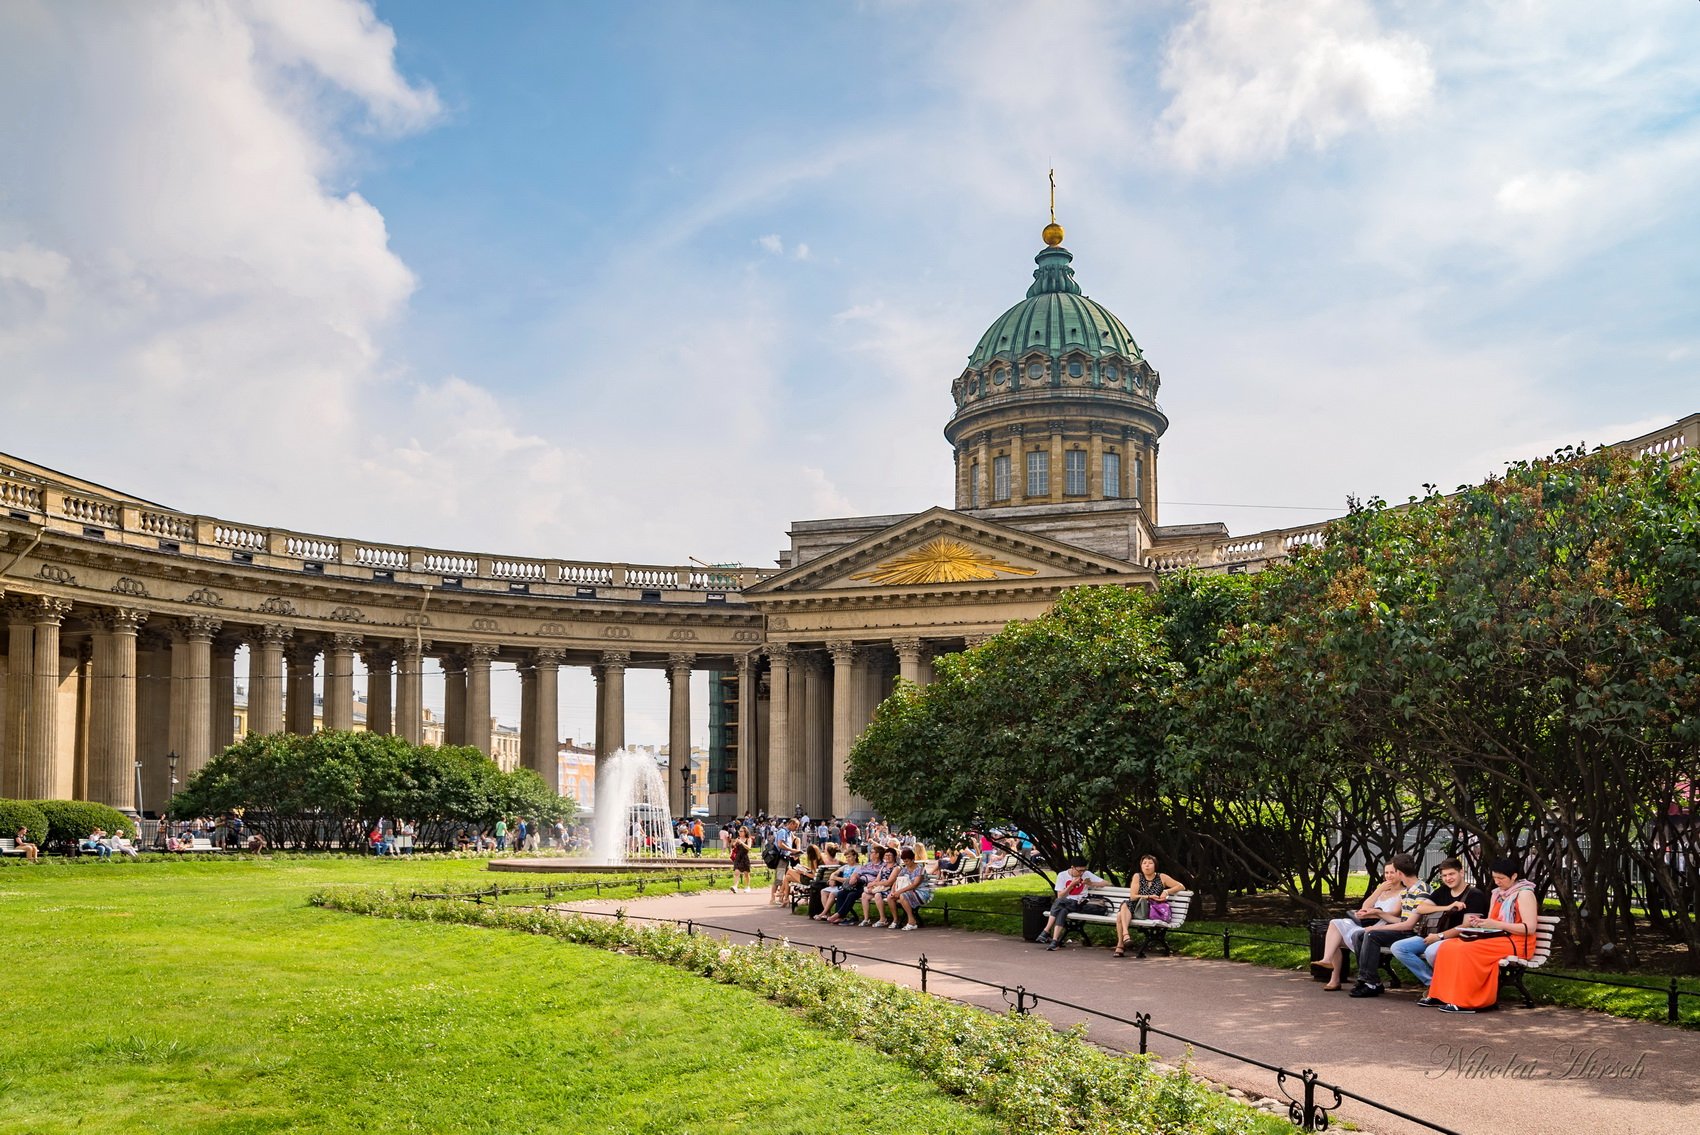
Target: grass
[(1203, 939), (205, 996)]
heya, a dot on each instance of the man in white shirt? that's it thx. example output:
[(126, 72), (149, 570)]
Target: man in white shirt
[(1072, 887)]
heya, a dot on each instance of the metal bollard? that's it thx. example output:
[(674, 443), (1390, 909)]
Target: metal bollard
[(923, 969), (1143, 1020)]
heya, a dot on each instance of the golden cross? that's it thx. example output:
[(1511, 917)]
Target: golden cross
[(1053, 197)]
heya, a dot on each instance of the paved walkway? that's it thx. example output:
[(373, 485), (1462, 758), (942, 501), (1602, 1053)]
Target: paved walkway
[(1514, 1072)]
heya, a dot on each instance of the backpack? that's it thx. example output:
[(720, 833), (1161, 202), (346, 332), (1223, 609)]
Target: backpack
[(770, 854)]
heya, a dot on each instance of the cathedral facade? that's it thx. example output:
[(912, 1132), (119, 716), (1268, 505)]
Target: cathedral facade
[(123, 618)]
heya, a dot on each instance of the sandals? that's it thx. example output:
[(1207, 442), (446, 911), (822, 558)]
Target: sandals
[(1120, 952)]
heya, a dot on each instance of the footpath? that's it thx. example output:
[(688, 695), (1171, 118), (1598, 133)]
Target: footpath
[(1512, 1072)]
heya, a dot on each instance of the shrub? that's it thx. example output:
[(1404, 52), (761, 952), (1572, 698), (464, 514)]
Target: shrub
[(67, 821), (15, 814)]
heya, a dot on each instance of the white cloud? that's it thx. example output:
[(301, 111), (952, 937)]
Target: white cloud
[(772, 243), (1251, 79)]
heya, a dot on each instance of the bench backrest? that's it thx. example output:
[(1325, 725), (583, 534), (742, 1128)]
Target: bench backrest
[(8, 844), (1547, 925), (1178, 907), (200, 844)]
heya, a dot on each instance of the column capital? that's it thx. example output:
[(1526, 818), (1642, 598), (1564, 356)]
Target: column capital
[(680, 663), (198, 628), (413, 650), (970, 641), (549, 656), (378, 657), (907, 646), (47, 611), (779, 653), (344, 640), (452, 662), (481, 652), (616, 659), (273, 634), (809, 661), (119, 620), (301, 653), (843, 653)]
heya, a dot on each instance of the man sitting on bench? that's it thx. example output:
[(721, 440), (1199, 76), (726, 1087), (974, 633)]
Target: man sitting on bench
[(1377, 938), (1072, 886)]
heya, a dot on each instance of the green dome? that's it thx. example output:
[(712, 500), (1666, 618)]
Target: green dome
[(1054, 318)]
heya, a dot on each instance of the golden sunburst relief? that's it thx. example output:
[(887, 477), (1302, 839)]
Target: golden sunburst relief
[(941, 561)]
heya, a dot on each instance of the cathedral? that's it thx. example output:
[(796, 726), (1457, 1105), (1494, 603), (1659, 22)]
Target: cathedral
[(123, 619)]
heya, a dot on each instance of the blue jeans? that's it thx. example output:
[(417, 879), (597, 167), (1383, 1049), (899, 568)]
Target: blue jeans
[(1416, 957)]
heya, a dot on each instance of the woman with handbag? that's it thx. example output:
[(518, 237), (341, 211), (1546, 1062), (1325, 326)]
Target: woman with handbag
[(1152, 891)]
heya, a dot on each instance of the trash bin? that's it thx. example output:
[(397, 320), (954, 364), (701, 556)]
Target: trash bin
[(1035, 909), (1318, 939)]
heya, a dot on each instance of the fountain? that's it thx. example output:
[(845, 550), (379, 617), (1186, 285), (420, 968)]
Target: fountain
[(632, 821)]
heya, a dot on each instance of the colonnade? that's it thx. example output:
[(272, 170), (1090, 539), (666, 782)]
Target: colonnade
[(94, 698), (818, 698)]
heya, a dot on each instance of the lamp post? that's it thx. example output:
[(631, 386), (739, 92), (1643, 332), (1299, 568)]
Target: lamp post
[(685, 776), (171, 761), (138, 790)]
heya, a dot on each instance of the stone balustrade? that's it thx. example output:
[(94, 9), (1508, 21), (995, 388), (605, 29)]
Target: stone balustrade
[(121, 520)]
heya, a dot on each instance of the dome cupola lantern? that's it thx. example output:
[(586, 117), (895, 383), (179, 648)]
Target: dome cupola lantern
[(1057, 404)]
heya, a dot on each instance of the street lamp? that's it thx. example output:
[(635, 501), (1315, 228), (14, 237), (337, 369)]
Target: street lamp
[(138, 789), (685, 776), (171, 760)]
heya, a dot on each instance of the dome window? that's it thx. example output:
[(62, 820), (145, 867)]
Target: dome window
[(998, 376), (1109, 374), (1035, 370), (1074, 368)]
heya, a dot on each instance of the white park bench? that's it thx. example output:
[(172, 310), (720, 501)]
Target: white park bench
[(1155, 932)]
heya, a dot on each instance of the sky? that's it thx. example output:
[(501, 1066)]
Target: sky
[(648, 282)]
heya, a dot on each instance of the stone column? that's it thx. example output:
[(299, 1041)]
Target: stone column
[(191, 693), (410, 690), (983, 458), (265, 679), (908, 658), (749, 765), (221, 699), (527, 709), (543, 747), (20, 684), (1094, 462), (612, 718), (45, 776), (1058, 474), (817, 730), (298, 694), (454, 699), (112, 723), (380, 686), (598, 742), (779, 799), (679, 729), (339, 681), (846, 666), (478, 657)]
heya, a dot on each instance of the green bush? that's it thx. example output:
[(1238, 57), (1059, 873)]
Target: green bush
[(67, 821), (15, 814)]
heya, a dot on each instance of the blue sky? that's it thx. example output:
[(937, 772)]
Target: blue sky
[(644, 282)]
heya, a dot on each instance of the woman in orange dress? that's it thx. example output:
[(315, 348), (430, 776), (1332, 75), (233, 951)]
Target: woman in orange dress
[(1466, 967)]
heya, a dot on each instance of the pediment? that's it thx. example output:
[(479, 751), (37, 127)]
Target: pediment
[(944, 549)]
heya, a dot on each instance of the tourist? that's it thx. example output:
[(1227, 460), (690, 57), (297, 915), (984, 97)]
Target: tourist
[(404, 842), (740, 852), (1466, 966), (850, 835), (876, 886), (852, 889), (1379, 906), (501, 835), (1452, 900), (910, 891), (1375, 938), (785, 844), (1152, 891), (96, 841), (122, 845), (1072, 887), (22, 842), (801, 872), (835, 884)]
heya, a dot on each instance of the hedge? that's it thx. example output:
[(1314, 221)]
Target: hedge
[(71, 820), (15, 814)]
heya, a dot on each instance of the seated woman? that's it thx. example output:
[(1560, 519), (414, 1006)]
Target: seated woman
[(1149, 886), (874, 891), (945, 865), (1466, 966), (911, 890), (835, 883), (802, 872), (23, 843), (1451, 901), (1380, 905), (844, 910)]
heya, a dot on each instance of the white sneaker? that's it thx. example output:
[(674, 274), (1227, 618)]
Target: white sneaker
[(881, 924), (911, 926), (864, 922)]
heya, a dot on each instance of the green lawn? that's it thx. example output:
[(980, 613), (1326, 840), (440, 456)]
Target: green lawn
[(207, 997)]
